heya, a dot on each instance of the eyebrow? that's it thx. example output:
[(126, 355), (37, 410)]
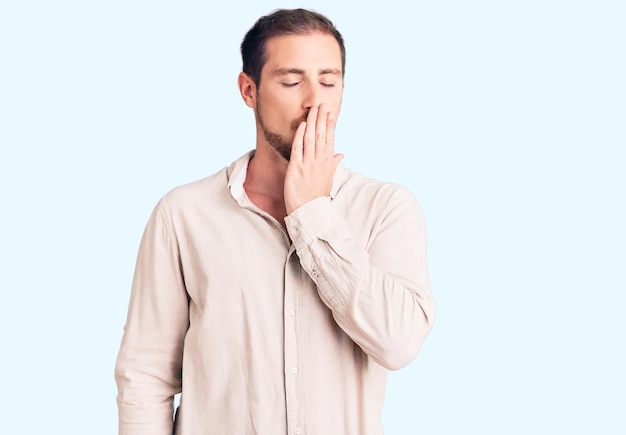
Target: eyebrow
[(286, 71)]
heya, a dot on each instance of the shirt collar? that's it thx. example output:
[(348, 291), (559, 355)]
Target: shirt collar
[(237, 175)]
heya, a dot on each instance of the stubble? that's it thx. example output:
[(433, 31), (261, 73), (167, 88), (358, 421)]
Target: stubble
[(281, 144)]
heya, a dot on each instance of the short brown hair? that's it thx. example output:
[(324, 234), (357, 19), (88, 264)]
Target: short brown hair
[(283, 22)]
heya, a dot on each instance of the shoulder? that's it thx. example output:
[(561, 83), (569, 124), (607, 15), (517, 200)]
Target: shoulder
[(355, 185), (206, 193), (211, 191)]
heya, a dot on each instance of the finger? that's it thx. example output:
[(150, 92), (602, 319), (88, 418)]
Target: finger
[(320, 133), (298, 143), (309, 134), (330, 133)]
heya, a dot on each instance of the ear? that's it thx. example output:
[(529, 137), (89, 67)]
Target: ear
[(247, 88)]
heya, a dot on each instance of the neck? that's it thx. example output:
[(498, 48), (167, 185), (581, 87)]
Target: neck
[(265, 182), (266, 173)]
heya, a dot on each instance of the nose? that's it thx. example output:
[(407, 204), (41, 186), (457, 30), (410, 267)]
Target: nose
[(312, 96)]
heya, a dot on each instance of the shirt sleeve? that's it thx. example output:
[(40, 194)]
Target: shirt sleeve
[(149, 363), (379, 294)]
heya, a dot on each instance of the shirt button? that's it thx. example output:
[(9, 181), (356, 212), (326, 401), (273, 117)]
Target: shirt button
[(314, 273), (292, 313), (297, 431), (294, 370)]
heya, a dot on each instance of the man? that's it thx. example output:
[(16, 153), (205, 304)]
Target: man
[(275, 294)]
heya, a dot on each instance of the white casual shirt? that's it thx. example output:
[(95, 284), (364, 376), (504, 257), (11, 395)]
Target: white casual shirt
[(267, 331)]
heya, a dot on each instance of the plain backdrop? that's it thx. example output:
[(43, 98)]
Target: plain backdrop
[(506, 119)]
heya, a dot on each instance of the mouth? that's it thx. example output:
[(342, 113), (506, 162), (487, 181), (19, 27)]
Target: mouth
[(296, 122)]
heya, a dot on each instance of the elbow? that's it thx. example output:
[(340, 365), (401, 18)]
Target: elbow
[(402, 349), (399, 354), (397, 358)]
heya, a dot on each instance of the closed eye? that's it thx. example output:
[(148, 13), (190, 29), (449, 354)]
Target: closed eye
[(328, 85), (290, 85)]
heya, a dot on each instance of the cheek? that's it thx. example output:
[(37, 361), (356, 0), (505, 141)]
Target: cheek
[(279, 106), (336, 102), (280, 119), (280, 111)]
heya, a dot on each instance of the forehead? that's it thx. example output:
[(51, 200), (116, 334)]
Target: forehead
[(309, 51)]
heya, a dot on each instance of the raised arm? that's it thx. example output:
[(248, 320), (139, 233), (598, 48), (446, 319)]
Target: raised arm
[(379, 294)]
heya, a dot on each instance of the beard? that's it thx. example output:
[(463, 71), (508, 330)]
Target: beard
[(281, 144)]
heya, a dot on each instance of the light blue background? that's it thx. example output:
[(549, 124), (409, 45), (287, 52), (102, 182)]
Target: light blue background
[(505, 118)]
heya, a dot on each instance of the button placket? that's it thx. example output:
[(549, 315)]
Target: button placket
[(291, 361)]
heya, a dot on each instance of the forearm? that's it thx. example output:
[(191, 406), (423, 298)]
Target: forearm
[(379, 294), (148, 377)]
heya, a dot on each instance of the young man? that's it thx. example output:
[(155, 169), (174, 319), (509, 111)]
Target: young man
[(275, 294)]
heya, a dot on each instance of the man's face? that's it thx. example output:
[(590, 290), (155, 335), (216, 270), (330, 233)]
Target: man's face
[(302, 71)]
